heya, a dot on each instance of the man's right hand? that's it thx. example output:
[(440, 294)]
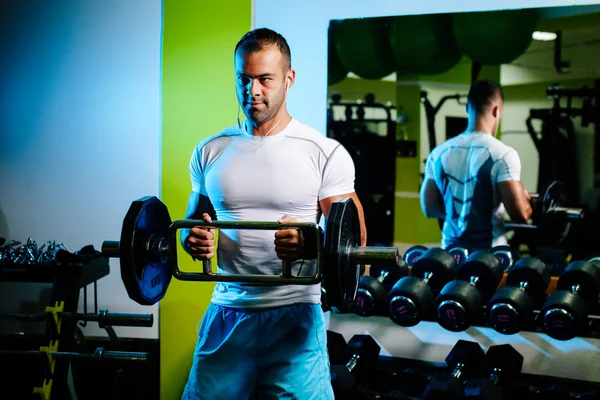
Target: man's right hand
[(201, 241)]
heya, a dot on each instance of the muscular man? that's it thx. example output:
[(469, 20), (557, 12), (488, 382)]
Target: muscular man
[(268, 339), (473, 178)]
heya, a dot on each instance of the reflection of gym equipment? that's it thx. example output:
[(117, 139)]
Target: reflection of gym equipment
[(431, 112), (556, 141), (374, 155)]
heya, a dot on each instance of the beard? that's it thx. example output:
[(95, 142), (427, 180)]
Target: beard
[(267, 111)]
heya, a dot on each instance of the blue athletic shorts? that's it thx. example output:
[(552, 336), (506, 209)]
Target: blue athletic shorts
[(278, 353)]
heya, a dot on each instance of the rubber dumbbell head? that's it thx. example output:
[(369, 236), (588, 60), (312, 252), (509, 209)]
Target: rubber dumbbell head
[(459, 252), (337, 348), (467, 361), (460, 302), (373, 288), (503, 364), (411, 299), (413, 253), (566, 310), (511, 308), (507, 256)]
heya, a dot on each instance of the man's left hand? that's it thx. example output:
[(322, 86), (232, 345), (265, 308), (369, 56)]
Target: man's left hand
[(289, 242)]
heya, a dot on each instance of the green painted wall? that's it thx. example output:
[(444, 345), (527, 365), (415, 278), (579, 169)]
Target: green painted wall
[(198, 100)]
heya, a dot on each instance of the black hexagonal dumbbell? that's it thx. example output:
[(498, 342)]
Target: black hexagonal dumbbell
[(467, 361), (365, 353), (511, 308), (373, 288), (337, 348), (503, 365), (506, 254), (412, 297), (460, 302), (565, 311)]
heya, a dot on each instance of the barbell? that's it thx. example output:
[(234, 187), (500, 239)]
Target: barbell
[(147, 251), (552, 215)]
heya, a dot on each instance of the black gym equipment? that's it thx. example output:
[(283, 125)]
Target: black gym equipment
[(511, 308), (460, 302), (103, 317), (413, 253), (466, 361), (459, 252), (373, 288), (552, 215), (148, 252), (565, 311), (365, 352), (411, 299), (503, 364), (506, 254), (556, 141), (431, 112), (367, 129), (337, 348)]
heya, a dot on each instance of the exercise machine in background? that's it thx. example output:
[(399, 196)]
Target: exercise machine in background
[(367, 129)]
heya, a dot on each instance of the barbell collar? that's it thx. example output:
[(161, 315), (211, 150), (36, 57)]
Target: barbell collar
[(110, 248), (373, 254)]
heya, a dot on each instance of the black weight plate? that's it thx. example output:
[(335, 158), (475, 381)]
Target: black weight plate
[(145, 276), (340, 275), (554, 227), (412, 254), (507, 256)]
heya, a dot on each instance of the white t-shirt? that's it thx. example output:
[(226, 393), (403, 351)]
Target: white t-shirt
[(466, 170), (251, 178)]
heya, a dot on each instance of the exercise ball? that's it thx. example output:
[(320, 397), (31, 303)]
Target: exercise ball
[(424, 44), (494, 38), (363, 47), (336, 72)]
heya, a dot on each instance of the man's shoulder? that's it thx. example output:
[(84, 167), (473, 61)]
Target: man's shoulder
[(498, 149), (307, 133), (224, 135)]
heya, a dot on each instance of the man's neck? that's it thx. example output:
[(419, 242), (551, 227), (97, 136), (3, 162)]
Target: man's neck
[(272, 127), (479, 125)]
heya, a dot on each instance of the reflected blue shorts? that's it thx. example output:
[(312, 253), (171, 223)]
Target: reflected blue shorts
[(278, 353)]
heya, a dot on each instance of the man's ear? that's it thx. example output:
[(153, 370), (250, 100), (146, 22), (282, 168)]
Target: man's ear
[(496, 111)]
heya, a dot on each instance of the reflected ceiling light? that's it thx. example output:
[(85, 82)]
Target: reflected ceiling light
[(544, 36)]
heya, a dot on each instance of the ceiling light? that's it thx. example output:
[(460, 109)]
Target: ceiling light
[(545, 36)]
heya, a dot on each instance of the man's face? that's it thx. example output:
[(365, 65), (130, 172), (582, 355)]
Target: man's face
[(261, 83)]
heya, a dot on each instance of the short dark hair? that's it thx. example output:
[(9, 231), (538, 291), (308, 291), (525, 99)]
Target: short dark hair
[(259, 38), (482, 93)]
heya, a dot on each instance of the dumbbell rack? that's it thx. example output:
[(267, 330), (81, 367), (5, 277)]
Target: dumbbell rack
[(67, 280), (593, 330)]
